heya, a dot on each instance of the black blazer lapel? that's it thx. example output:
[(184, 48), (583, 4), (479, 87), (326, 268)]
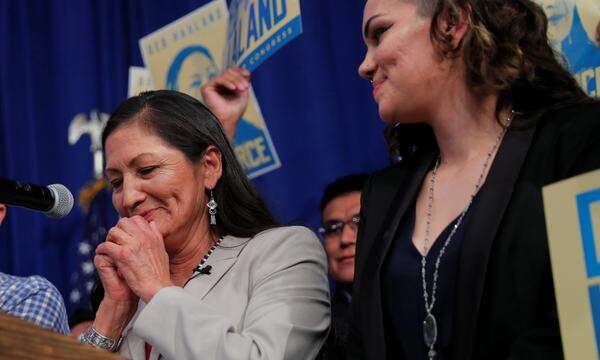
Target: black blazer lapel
[(371, 303), (486, 215)]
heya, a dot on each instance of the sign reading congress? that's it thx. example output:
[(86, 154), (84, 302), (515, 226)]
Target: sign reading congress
[(258, 28)]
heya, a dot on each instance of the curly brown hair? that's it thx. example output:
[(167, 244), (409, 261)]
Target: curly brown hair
[(505, 52)]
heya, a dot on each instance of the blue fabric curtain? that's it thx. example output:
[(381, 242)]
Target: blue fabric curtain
[(60, 58)]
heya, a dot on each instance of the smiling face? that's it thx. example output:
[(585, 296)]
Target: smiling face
[(341, 246), (400, 60), (156, 181)]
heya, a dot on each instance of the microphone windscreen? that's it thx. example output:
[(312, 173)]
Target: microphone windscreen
[(63, 201)]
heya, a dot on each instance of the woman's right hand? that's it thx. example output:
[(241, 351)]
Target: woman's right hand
[(226, 95), (115, 288), (119, 303)]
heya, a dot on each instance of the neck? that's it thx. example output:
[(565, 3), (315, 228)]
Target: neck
[(465, 125), (184, 259)]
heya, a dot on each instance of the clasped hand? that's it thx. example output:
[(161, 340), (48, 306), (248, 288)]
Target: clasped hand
[(133, 263)]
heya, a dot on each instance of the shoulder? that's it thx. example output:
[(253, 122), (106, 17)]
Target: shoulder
[(568, 139), (285, 238), (388, 175), (383, 185), (284, 247), (35, 299), (35, 287), (15, 288), (575, 120)]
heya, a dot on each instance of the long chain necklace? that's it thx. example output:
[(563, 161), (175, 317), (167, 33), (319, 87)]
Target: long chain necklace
[(430, 323)]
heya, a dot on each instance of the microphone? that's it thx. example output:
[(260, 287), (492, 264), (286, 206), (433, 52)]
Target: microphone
[(203, 270), (55, 201)]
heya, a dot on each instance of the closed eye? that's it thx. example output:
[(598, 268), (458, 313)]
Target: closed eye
[(147, 170), (378, 33), (116, 183)]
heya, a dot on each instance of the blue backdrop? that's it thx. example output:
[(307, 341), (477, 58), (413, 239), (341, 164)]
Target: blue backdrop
[(60, 58)]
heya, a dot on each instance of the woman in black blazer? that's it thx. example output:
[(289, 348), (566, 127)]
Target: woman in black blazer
[(452, 257)]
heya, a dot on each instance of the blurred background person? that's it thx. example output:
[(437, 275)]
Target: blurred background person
[(340, 213), (197, 266), (32, 298), (452, 256)]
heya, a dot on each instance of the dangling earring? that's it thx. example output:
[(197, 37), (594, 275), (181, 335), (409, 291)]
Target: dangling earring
[(212, 209)]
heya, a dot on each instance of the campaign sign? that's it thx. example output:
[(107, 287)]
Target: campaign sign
[(140, 80), (574, 31), (187, 53), (258, 28), (572, 209)]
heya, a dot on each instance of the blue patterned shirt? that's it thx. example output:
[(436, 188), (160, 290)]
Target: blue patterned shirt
[(33, 299)]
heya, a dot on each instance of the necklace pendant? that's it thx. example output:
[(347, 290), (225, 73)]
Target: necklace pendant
[(430, 333), (431, 354)]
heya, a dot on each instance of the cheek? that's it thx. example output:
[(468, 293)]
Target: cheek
[(117, 201), (331, 248)]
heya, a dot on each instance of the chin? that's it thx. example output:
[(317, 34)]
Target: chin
[(387, 115), (344, 276)]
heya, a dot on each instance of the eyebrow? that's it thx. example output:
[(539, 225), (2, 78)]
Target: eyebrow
[(368, 23), (131, 162)]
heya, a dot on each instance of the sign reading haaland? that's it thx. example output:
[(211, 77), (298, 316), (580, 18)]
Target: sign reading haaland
[(572, 30), (187, 53), (258, 28), (572, 209)]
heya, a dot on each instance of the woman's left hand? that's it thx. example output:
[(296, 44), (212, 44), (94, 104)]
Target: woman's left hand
[(138, 251)]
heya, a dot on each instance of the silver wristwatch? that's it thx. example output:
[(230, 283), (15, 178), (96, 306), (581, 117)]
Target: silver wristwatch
[(93, 337)]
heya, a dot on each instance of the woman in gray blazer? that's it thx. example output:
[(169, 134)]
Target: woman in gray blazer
[(197, 267)]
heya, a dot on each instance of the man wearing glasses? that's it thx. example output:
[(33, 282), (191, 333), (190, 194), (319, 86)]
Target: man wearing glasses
[(340, 208)]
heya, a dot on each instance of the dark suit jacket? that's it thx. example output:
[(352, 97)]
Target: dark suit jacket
[(505, 306)]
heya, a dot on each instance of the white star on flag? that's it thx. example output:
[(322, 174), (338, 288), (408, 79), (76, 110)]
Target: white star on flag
[(87, 267), (84, 248), (75, 296)]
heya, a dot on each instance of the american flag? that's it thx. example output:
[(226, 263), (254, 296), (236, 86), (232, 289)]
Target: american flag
[(100, 217)]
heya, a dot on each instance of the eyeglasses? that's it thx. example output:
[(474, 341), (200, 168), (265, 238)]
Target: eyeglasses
[(335, 227)]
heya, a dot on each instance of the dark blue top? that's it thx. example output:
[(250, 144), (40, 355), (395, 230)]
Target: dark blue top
[(402, 292)]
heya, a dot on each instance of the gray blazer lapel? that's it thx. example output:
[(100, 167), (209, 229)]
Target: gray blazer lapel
[(222, 259), (486, 215)]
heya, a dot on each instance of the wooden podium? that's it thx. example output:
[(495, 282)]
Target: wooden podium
[(22, 340)]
